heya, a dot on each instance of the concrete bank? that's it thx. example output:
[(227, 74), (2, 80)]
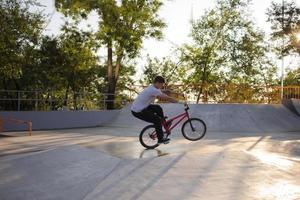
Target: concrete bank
[(57, 119)]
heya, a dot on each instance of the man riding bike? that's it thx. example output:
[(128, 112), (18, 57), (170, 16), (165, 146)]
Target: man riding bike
[(142, 107)]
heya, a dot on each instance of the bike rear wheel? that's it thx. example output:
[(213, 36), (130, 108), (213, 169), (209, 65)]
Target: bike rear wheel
[(148, 137), (193, 129)]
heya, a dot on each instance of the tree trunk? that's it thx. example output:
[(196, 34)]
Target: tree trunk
[(65, 103), (18, 89), (199, 94), (4, 84), (118, 67), (203, 81), (75, 100), (7, 104), (110, 79)]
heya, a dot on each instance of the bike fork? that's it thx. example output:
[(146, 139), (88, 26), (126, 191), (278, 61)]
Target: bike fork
[(193, 129)]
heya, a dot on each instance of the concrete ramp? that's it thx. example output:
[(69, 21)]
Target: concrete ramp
[(293, 105), (296, 104), (225, 117)]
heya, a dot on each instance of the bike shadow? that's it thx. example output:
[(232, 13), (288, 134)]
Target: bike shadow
[(149, 153)]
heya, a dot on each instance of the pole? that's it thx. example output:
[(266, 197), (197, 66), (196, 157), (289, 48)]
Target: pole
[(282, 53)]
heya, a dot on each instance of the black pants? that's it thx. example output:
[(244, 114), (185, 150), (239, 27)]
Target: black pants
[(152, 114)]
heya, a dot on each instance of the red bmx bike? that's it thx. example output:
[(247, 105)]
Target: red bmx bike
[(192, 129)]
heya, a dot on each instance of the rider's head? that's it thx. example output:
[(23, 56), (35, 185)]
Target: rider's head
[(159, 82)]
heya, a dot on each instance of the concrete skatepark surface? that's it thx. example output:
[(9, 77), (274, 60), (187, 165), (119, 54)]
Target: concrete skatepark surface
[(226, 117), (233, 161)]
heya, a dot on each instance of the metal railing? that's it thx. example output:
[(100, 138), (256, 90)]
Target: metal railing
[(196, 93), (15, 121), (18, 100), (291, 92), (230, 93)]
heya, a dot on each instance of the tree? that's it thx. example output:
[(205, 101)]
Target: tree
[(285, 20), (20, 31), (78, 69), (226, 49), (123, 25), (165, 67), (293, 77)]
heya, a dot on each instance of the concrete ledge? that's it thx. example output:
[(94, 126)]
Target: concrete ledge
[(57, 119)]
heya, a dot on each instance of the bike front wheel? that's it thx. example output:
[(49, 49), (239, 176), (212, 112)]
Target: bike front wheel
[(148, 137), (193, 129)]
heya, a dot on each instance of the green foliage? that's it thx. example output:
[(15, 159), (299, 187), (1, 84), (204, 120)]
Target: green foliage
[(226, 61), (292, 77), (165, 67), (80, 63), (20, 30), (123, 25), (61, 67), (226, 49), (285, 22)]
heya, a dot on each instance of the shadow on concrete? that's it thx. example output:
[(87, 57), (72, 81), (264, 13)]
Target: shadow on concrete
[(5, 136)]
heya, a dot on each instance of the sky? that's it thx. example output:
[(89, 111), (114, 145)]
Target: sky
[(177, 15)]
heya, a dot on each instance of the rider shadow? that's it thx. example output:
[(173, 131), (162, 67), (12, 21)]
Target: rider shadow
[(148, 153)]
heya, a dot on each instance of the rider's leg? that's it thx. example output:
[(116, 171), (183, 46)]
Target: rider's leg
[(159, 111), (149, 116), (156, 109)]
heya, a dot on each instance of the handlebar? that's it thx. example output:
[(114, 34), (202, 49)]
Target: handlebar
[(186, 106)]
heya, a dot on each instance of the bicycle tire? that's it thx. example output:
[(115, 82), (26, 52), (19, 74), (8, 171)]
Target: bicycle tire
[(144, 143), (188, 123)]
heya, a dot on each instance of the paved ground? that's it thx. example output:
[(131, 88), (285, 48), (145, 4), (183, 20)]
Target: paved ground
[(249, 152), (71, 165)]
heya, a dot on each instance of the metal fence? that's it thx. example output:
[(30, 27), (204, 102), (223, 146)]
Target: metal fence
[(291, 92), (47, 101), (195, 93), (229, 93)]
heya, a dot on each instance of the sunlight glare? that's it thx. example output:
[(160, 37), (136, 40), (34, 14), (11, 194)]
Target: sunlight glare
[(282, 190), (298, 36), (273, 159)]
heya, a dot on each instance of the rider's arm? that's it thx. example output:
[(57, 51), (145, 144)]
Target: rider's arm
[(169, 92), (167, 98)]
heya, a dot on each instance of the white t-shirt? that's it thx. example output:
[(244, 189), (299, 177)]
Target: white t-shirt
[(145, 98)]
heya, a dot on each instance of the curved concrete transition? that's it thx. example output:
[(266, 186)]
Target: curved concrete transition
[(225, 117), (296, 104), (293, 105)]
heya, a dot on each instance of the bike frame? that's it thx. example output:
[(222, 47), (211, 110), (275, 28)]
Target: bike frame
[(180, 118)]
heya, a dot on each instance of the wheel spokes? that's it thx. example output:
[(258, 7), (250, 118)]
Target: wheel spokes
[(150, 138), (195, 129)]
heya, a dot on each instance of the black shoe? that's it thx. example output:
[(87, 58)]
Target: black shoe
[(165, 141)]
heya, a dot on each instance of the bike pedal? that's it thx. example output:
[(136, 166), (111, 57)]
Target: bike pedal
[(168, 141)]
